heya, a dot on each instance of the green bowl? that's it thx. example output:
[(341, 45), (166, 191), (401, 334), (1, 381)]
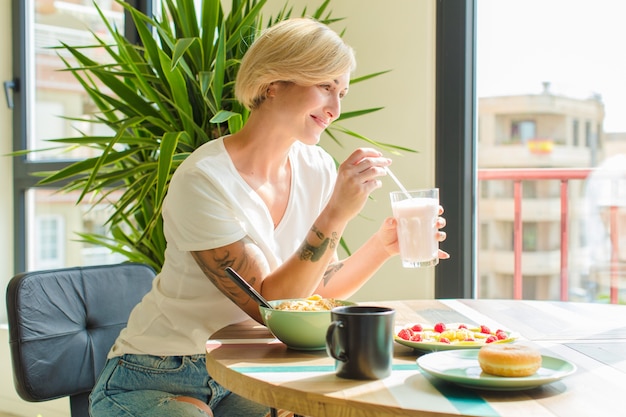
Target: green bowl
[(301, 330)]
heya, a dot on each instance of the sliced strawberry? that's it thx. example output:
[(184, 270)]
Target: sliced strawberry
[(405, 334), (501, 335), (417, 337), (417, 328)]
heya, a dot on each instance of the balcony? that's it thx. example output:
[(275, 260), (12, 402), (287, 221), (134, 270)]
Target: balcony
[(542, 239)]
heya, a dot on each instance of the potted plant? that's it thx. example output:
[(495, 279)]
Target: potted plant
[(162, 99)]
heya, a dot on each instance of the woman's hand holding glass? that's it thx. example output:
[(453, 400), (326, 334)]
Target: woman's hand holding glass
[(357, 177), (388, 235)]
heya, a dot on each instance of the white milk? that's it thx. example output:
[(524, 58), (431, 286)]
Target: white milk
[(417, 231)]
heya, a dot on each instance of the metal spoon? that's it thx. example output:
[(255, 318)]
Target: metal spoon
[(247, 288)]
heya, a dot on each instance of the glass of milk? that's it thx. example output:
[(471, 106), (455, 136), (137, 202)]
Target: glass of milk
[(416, 212)]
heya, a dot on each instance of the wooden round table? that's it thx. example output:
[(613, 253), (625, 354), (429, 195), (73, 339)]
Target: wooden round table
[(247, 360)]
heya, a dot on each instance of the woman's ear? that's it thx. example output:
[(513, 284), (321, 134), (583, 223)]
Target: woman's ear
[(271, 90)]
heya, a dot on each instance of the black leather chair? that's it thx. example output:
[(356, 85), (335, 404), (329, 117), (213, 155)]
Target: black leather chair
[(62, 324)]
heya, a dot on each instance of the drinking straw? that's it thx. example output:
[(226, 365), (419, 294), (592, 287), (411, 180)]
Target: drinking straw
[(397, 181)]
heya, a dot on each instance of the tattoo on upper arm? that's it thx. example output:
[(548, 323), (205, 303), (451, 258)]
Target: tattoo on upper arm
[(214, 262), (215, 272), (315, 253), (331, 271)]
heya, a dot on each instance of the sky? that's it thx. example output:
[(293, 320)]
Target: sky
[(579, 46)]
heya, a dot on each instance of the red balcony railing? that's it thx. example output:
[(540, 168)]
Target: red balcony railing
[(564, 176)]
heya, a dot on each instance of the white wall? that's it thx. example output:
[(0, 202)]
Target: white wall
[(398, 35)]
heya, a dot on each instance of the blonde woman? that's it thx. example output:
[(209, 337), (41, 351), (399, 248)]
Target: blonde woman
[(265, 201)]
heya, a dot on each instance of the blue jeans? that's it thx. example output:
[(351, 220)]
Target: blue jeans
[(144, 385)]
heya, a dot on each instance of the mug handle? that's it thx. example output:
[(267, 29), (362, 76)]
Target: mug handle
[(335, 350)]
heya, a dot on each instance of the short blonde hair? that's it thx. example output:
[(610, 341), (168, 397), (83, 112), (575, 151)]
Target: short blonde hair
[(299, 50)]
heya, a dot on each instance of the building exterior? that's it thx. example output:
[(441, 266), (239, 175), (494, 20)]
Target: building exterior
[(535, 131)]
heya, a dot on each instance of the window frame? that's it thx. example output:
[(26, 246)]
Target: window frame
[(455, 150)]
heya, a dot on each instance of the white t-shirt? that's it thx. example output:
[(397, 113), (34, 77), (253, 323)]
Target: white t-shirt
[(209, 205)]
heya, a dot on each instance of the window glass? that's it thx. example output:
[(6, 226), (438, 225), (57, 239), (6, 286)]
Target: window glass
[(522, 130), (53, 221), (551, 94), (58, 103), (49, 235), (529, 189), (529, 240), (57, 107)]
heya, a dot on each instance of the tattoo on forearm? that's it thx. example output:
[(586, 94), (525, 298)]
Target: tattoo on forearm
[(315, 253), (317, 232), (333, 240), (331, 271)]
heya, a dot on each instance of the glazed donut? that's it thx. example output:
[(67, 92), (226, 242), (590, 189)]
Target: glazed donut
[(509, 359)]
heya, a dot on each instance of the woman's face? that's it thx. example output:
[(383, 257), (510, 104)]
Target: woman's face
[(307, 111)]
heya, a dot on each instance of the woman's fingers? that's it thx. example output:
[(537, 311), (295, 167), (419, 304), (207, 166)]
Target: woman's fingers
[(357, 177)]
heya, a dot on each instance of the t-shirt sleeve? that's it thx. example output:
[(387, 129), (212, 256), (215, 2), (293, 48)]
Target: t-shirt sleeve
[(197, 216)]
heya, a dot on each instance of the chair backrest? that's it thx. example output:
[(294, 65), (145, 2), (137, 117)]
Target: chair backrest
[(62, 324)]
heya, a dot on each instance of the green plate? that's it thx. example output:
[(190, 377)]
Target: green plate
[(461, 367), (431, 346), (438, 346)]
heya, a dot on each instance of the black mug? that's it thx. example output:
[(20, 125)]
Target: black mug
[(360, 338)]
